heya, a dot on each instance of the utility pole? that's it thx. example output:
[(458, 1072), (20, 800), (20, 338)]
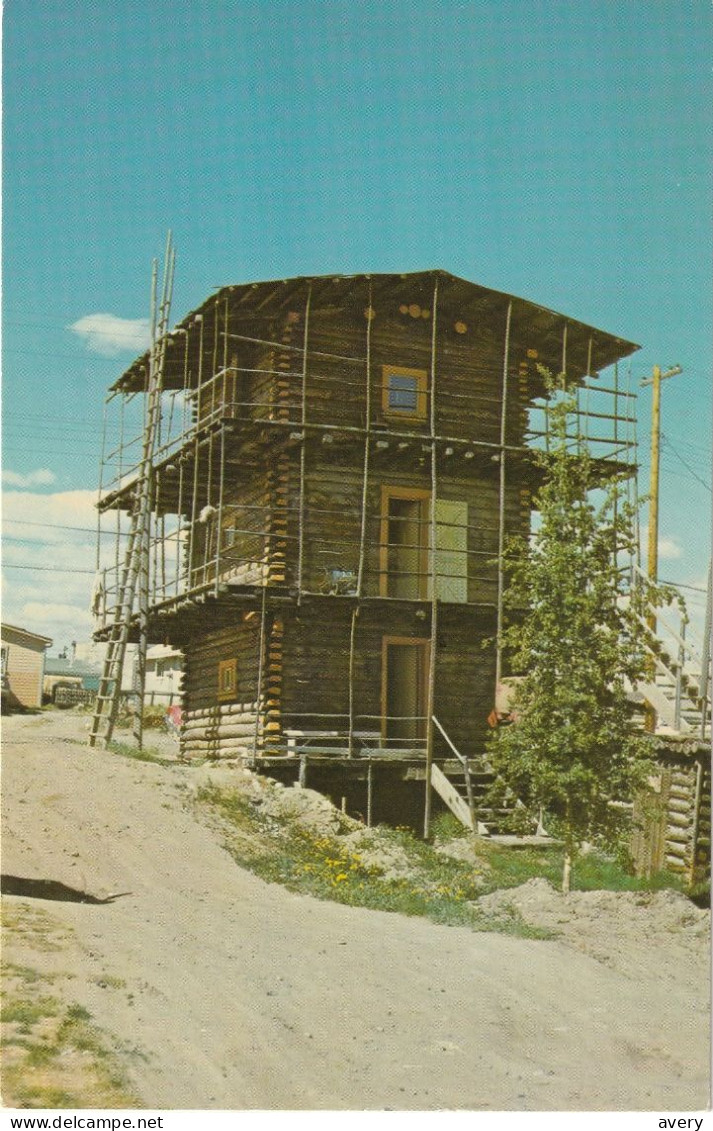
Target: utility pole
[(655, 381), (652, 567)]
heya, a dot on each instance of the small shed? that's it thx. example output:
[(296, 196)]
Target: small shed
[(672, 820), (23, 666)]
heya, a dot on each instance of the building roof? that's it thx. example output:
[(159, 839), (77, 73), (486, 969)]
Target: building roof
[(163, 652), (31, 636), (55, 665), (588, 349)]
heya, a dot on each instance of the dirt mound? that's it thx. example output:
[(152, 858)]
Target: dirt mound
[(293, 804), (607, 925), (378, 851), (313, 812), (310, 809)]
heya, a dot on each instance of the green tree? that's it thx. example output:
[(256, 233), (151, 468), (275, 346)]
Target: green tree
[(576, 638)]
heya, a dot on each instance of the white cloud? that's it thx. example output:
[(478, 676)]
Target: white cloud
[(109, 335), (37, 611), (56, 509), (669, 548), (41, 477), (53, 596)]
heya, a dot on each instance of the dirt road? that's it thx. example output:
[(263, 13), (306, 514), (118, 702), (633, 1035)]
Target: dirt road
[(242, 995)]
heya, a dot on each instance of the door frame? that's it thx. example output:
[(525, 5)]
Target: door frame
[(414, 495), (422, 642)]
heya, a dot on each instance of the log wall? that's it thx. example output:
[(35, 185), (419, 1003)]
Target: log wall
[(292, 489), (215, 724), (672, 822), (333, 496), (316, 669), (267, 379)]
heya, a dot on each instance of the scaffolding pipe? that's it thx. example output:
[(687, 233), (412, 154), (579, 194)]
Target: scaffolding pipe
[(207, 524), (219, 522), (260, 669), (362, 526), (431, 703), (501, 503), (303, 454)]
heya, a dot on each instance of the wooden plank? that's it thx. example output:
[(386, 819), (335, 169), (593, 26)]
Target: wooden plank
[(451, 796)]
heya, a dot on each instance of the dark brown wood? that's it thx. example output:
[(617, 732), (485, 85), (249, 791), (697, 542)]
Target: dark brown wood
[(288, 486)]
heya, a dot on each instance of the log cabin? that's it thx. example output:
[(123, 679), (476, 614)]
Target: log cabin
[(339, 464)]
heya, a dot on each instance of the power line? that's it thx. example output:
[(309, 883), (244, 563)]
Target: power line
[(48, 569), (688, 467), (680, 585), (53, 425), (61, 526)]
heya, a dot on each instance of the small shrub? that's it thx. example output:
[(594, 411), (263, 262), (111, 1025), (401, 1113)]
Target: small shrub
[(446, 826), (154, 717)]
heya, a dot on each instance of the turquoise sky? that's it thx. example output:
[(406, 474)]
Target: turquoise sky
[(561, 152)]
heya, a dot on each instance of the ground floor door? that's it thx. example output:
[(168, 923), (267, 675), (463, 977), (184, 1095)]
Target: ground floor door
[(404, 689)]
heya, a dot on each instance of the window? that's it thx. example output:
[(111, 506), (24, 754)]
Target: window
[(227, 679), (4, 656), (404, 392)]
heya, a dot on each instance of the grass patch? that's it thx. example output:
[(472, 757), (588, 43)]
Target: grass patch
[(285, 852), (26, 1012), (446, 826), (510, 867), (432, 885), (108, 981), (53, 1054), (146, 754), (32, 925)]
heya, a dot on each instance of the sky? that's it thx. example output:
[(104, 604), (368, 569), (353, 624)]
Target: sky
[(559, 152)]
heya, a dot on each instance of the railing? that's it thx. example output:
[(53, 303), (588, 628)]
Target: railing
[(466, 769), (681, 695), (331, 735)]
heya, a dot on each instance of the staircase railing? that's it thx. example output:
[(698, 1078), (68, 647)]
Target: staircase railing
[(683, 665), (466, 771)]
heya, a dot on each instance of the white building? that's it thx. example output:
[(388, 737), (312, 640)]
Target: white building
[(164, 668)]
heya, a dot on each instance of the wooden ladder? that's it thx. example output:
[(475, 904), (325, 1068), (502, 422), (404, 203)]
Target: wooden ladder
[(134, 575)]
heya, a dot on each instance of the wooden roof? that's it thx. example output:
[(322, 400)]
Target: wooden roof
[(588, 349)]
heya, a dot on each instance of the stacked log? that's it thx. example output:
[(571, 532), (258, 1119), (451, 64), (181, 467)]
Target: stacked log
[(678, 851), (224, 731), (272, 681), (278, 491)]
